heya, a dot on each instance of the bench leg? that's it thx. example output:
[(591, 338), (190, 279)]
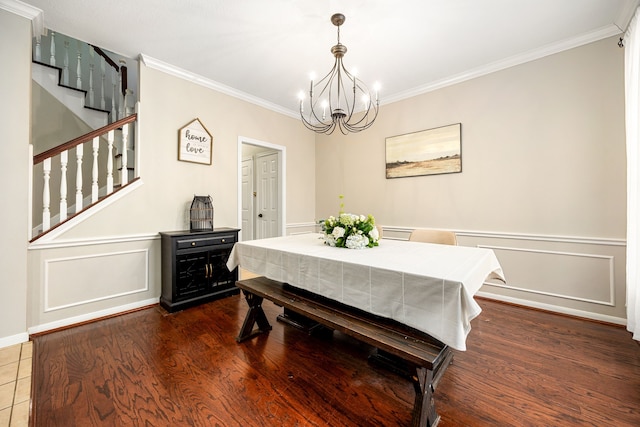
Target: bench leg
[(254, 315), (424, 408)]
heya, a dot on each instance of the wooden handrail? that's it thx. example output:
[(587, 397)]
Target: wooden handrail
[(105, 56), (38, 158), (120, 69)]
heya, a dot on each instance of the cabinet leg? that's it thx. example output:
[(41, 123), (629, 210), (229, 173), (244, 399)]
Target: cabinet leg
[(254, 315)]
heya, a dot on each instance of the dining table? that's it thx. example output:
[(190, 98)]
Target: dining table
[(429, 287)]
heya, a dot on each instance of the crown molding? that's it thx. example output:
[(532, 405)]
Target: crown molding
[(593, 36), (211, 84), (34, 14)]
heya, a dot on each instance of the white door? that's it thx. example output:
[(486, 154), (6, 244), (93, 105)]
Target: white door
[(267, 197), (247, 198)]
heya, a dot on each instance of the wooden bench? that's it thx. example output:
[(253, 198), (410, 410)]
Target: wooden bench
[(427, 356)]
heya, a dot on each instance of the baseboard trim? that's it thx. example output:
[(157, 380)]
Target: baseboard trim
[(555, 309), (14, 339), (91, 317)]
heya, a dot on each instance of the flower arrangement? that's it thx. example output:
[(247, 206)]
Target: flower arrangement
[(350, 231)]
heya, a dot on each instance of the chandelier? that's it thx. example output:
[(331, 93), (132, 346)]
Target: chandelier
[(333, 100)]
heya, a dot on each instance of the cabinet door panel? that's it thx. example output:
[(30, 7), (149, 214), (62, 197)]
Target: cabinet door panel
[(220, 274), (191, 272)]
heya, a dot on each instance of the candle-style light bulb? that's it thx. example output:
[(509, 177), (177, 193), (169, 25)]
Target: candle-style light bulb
[(365, 101), (312, 76)]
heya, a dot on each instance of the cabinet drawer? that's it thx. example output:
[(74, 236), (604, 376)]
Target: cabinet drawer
[(206, 241)]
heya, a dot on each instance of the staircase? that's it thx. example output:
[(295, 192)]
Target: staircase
[(74, 177)]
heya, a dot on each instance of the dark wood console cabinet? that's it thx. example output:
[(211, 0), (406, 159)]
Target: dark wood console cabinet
[(194, 267)]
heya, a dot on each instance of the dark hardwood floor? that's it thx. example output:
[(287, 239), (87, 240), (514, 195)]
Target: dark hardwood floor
[(151, 368)]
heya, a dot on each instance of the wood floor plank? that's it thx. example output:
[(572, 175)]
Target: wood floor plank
[(151, 368)]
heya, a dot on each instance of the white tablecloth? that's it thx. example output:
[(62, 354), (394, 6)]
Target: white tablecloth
[(426, 286)]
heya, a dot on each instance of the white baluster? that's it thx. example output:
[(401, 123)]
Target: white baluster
[(113, 96), (64, 157), (46, 198), (38, 49), (79, 178), (52, 51), (124, 172), (79, 72), (65, 69), (92, 103), (125, 101), (110, 162), (94, 170), (102, 102)]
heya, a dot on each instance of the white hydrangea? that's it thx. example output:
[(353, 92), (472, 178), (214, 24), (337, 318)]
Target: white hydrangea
[(374, 234), (357, 241), (329, 240), (338, 232)]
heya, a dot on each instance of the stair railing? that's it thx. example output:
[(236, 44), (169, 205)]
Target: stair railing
[(110, 95), (100, 154)]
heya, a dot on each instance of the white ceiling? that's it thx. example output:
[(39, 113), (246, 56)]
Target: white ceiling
[(267, 48)]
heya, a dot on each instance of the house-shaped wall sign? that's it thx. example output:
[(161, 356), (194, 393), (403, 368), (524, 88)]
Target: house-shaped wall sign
[(195, 143)]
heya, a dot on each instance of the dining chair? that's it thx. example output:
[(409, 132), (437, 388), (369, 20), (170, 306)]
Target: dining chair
[(433, 236)]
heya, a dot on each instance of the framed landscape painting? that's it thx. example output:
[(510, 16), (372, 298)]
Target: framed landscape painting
[(428, 152)]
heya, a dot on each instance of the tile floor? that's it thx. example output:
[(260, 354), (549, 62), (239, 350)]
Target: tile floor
[(15, 385)]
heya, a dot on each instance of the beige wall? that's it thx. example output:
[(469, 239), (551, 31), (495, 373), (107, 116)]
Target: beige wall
[(15, 84), (167, 104), (124, 235), (54, 123), (543, 158)]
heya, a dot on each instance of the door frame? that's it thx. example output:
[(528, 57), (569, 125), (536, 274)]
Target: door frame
[(282, 175), (251, 213)]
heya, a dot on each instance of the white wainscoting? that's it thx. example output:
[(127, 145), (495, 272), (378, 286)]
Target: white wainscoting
[(302, 228), (546, 274), (110, 275), (579, 276), (81, 280)]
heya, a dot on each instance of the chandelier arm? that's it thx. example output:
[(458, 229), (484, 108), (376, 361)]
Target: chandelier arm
[(370, 104), (327, 79), (354, 79), (366, 126), (368, 123)]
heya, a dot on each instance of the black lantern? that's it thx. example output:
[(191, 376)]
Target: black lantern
[(201, 214)]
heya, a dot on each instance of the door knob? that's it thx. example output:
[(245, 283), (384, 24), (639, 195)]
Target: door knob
[(259, 215)]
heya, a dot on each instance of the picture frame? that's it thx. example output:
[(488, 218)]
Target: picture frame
[(195, 143), (433, 151)]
